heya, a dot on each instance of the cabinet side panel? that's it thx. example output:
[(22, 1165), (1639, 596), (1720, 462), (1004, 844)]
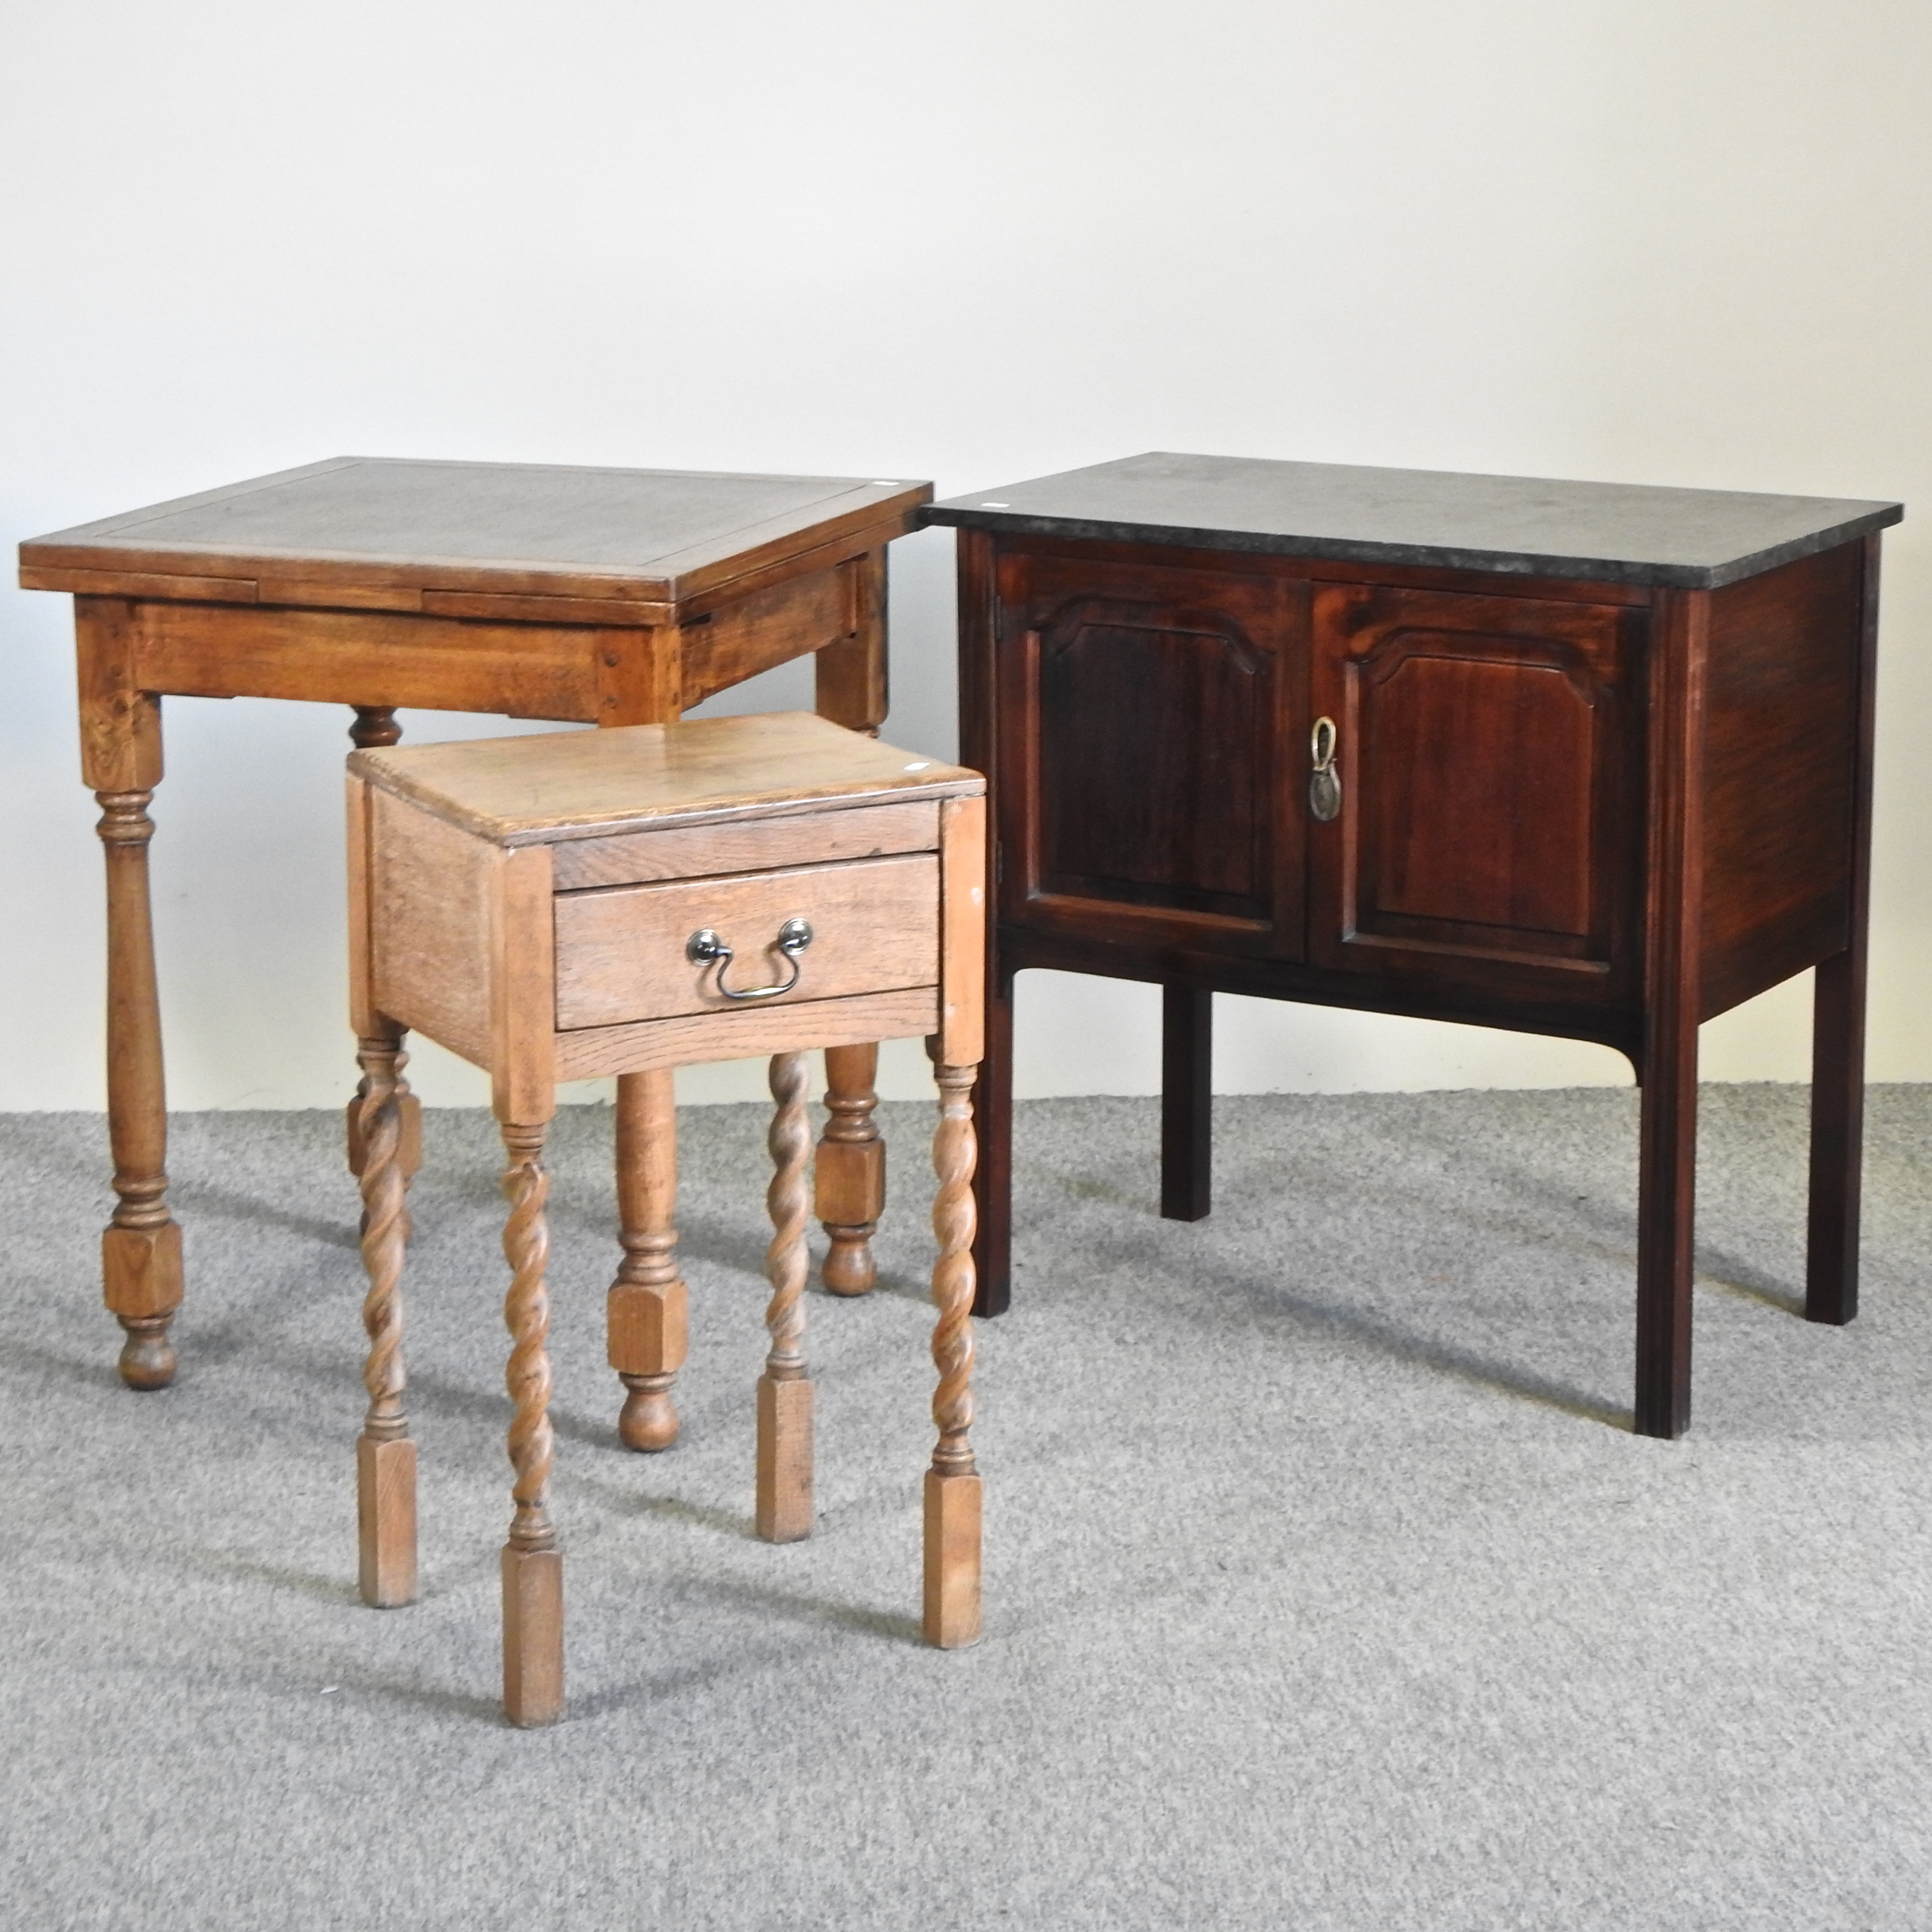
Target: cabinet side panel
[(429, 942), (1780, 773)]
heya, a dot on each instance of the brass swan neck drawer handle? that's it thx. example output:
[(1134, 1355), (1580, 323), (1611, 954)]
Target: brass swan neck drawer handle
[(1325, 782), (704, 948)]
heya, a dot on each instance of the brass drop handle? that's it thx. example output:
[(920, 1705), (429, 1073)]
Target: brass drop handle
[(704, 948), (1324, 783)]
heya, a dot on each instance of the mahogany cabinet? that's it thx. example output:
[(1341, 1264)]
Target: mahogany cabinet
[(1585, 759)]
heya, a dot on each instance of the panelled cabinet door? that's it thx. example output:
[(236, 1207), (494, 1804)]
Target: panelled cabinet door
[(1487, 755), (1143, 787)]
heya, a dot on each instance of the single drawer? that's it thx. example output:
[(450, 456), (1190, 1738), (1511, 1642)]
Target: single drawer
[(747, 845), (621, 952)]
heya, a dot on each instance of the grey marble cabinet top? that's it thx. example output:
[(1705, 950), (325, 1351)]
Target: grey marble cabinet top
[(1611, 532)]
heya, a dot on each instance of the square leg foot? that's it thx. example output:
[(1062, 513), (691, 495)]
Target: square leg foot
[(532, 1636), (784, 1511), (952, 1617), (385, 1521)]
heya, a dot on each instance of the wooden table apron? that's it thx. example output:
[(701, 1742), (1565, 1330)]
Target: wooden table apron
[(1723, 845), (134, 649)]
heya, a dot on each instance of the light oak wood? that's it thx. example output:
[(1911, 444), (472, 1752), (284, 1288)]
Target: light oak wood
[(529, 790), (526, 529), (952, 1608), (785, 1461), (351, 657), (849, 1176), (769, 628), (523, 985), (950, 1616), (141, 1249), (532, 1636), (385, 1459), (375, 726), (637, 858), (532, 1578), (599, 596), (622, 951), (850, 675), (962, 990), (120, 718), (648, 1308), (477, 922), (640, 675), (429, 959), (750, 1032), (385, 1522)]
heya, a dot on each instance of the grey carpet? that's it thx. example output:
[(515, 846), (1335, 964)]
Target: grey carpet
[(1326, 1585)]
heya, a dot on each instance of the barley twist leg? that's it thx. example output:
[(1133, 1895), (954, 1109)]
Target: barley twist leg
[(951, 1606), (784, 1503), (376, 727), (385, 1458), (532, 1564)]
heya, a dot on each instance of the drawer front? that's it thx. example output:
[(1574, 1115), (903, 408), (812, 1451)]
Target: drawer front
[(620, 953), (749, 845)]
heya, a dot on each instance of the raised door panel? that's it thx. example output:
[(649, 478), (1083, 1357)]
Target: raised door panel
[(1489, 830), (1144, 709)]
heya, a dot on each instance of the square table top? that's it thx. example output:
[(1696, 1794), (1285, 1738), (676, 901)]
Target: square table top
[(551, 786), (1604, 532), (387, 524)]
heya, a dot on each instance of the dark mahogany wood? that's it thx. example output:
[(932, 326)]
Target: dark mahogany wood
[(1603, 758), (1838, 1023), (1186, 1101), (1667, 1117)]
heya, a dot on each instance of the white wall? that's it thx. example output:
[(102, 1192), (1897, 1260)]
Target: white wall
[(1659, 241)]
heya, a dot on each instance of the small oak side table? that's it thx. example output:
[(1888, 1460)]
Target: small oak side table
[(610, 597), (1581, 759), (627, 901)]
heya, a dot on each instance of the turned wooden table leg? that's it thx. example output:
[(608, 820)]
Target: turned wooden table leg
[(646, 1306), (952, 1598), (385, 1458), (784, 1504), (850, 1181), (532, 1565), (141, 1250), (375, 725), (849, 1178)]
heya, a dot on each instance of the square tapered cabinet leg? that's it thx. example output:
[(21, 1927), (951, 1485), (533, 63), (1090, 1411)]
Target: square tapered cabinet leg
[(952, 1617), (532, 1636), (784, 1506), (385, 1517)]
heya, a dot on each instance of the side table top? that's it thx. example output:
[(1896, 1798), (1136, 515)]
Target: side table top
[(577, 784), (385, 527), (1609, 532)]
